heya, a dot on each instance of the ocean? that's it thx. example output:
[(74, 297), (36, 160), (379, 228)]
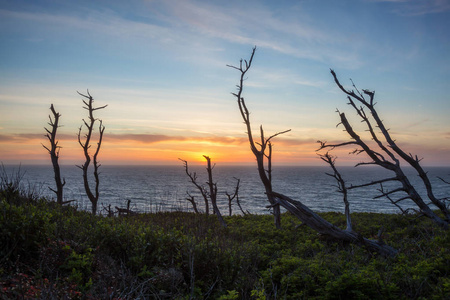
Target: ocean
[(164, 188)]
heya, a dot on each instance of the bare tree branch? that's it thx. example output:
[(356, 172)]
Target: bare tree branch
[(86, 145), (342, 188), (213, 191), (372, 183), (393, 164), (211, 194), (201, 189), (191, 199), (234, 196)]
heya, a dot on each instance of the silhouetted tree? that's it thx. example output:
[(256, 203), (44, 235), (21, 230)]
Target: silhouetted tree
[(200, 188), (53, 150), (235, 196), (262, 150), (341, 186), (191, 199), (89, 106), (213, 191), (207, 192), (386, 154), (298, 209)]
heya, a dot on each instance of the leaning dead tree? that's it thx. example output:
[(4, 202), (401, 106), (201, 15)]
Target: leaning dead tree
[(53, 150), (208, 193), (88, 102), (385, 152), (297, 208), (261, 150)]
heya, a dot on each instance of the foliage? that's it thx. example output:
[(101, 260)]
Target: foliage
[(51, 252)]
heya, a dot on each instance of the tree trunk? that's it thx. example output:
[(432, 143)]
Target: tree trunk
[(54, 154)]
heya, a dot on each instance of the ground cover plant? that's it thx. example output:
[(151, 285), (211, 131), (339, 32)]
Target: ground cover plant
[(48, 251)]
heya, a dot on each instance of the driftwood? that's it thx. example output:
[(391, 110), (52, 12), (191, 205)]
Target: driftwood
[(322, 226), (68, 202), (54, 154), (89, 106), (124, 211)]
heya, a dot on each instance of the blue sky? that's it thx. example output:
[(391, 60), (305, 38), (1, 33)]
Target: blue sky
[(161, 68)]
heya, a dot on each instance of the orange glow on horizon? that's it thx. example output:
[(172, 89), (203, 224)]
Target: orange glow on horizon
[(168, 150)]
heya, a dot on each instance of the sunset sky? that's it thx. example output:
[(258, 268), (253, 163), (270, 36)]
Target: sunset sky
[(161, 68)]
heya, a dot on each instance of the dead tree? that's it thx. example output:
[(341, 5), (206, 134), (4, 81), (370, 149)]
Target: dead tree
[(235, 196), (200, 188), (258, 148), (298, 209), (125, 211), (211, 193), (86, 145), (322, 226), (191, 199), (54, 154), (341, 186), (386, 154)]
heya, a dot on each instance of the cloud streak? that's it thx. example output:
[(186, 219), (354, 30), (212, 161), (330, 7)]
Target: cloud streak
[(257, 25), (418, 7), (131, 138), (232, 24)]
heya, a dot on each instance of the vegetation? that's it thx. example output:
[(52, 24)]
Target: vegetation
[(49, 251)]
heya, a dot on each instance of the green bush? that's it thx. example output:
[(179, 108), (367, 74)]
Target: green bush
[(49, 251)]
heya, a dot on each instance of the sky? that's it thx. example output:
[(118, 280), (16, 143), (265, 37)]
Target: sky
[(161, 67)]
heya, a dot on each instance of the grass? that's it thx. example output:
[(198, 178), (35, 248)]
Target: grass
[(52, 252)]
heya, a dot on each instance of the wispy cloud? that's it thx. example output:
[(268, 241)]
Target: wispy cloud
[(182, 23), (31, 137), (418, 7), (281, 77), (257, 25), (158, 138), (130, 138)]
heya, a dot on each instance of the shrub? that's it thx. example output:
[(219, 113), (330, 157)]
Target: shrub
[(49, 251)]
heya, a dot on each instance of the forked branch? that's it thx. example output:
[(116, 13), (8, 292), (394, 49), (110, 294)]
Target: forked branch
[(386, 155), (211, 194), (86, 145), (200, 188), (342, 188)]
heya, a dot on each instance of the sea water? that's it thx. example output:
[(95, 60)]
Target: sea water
[(165, 188)]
